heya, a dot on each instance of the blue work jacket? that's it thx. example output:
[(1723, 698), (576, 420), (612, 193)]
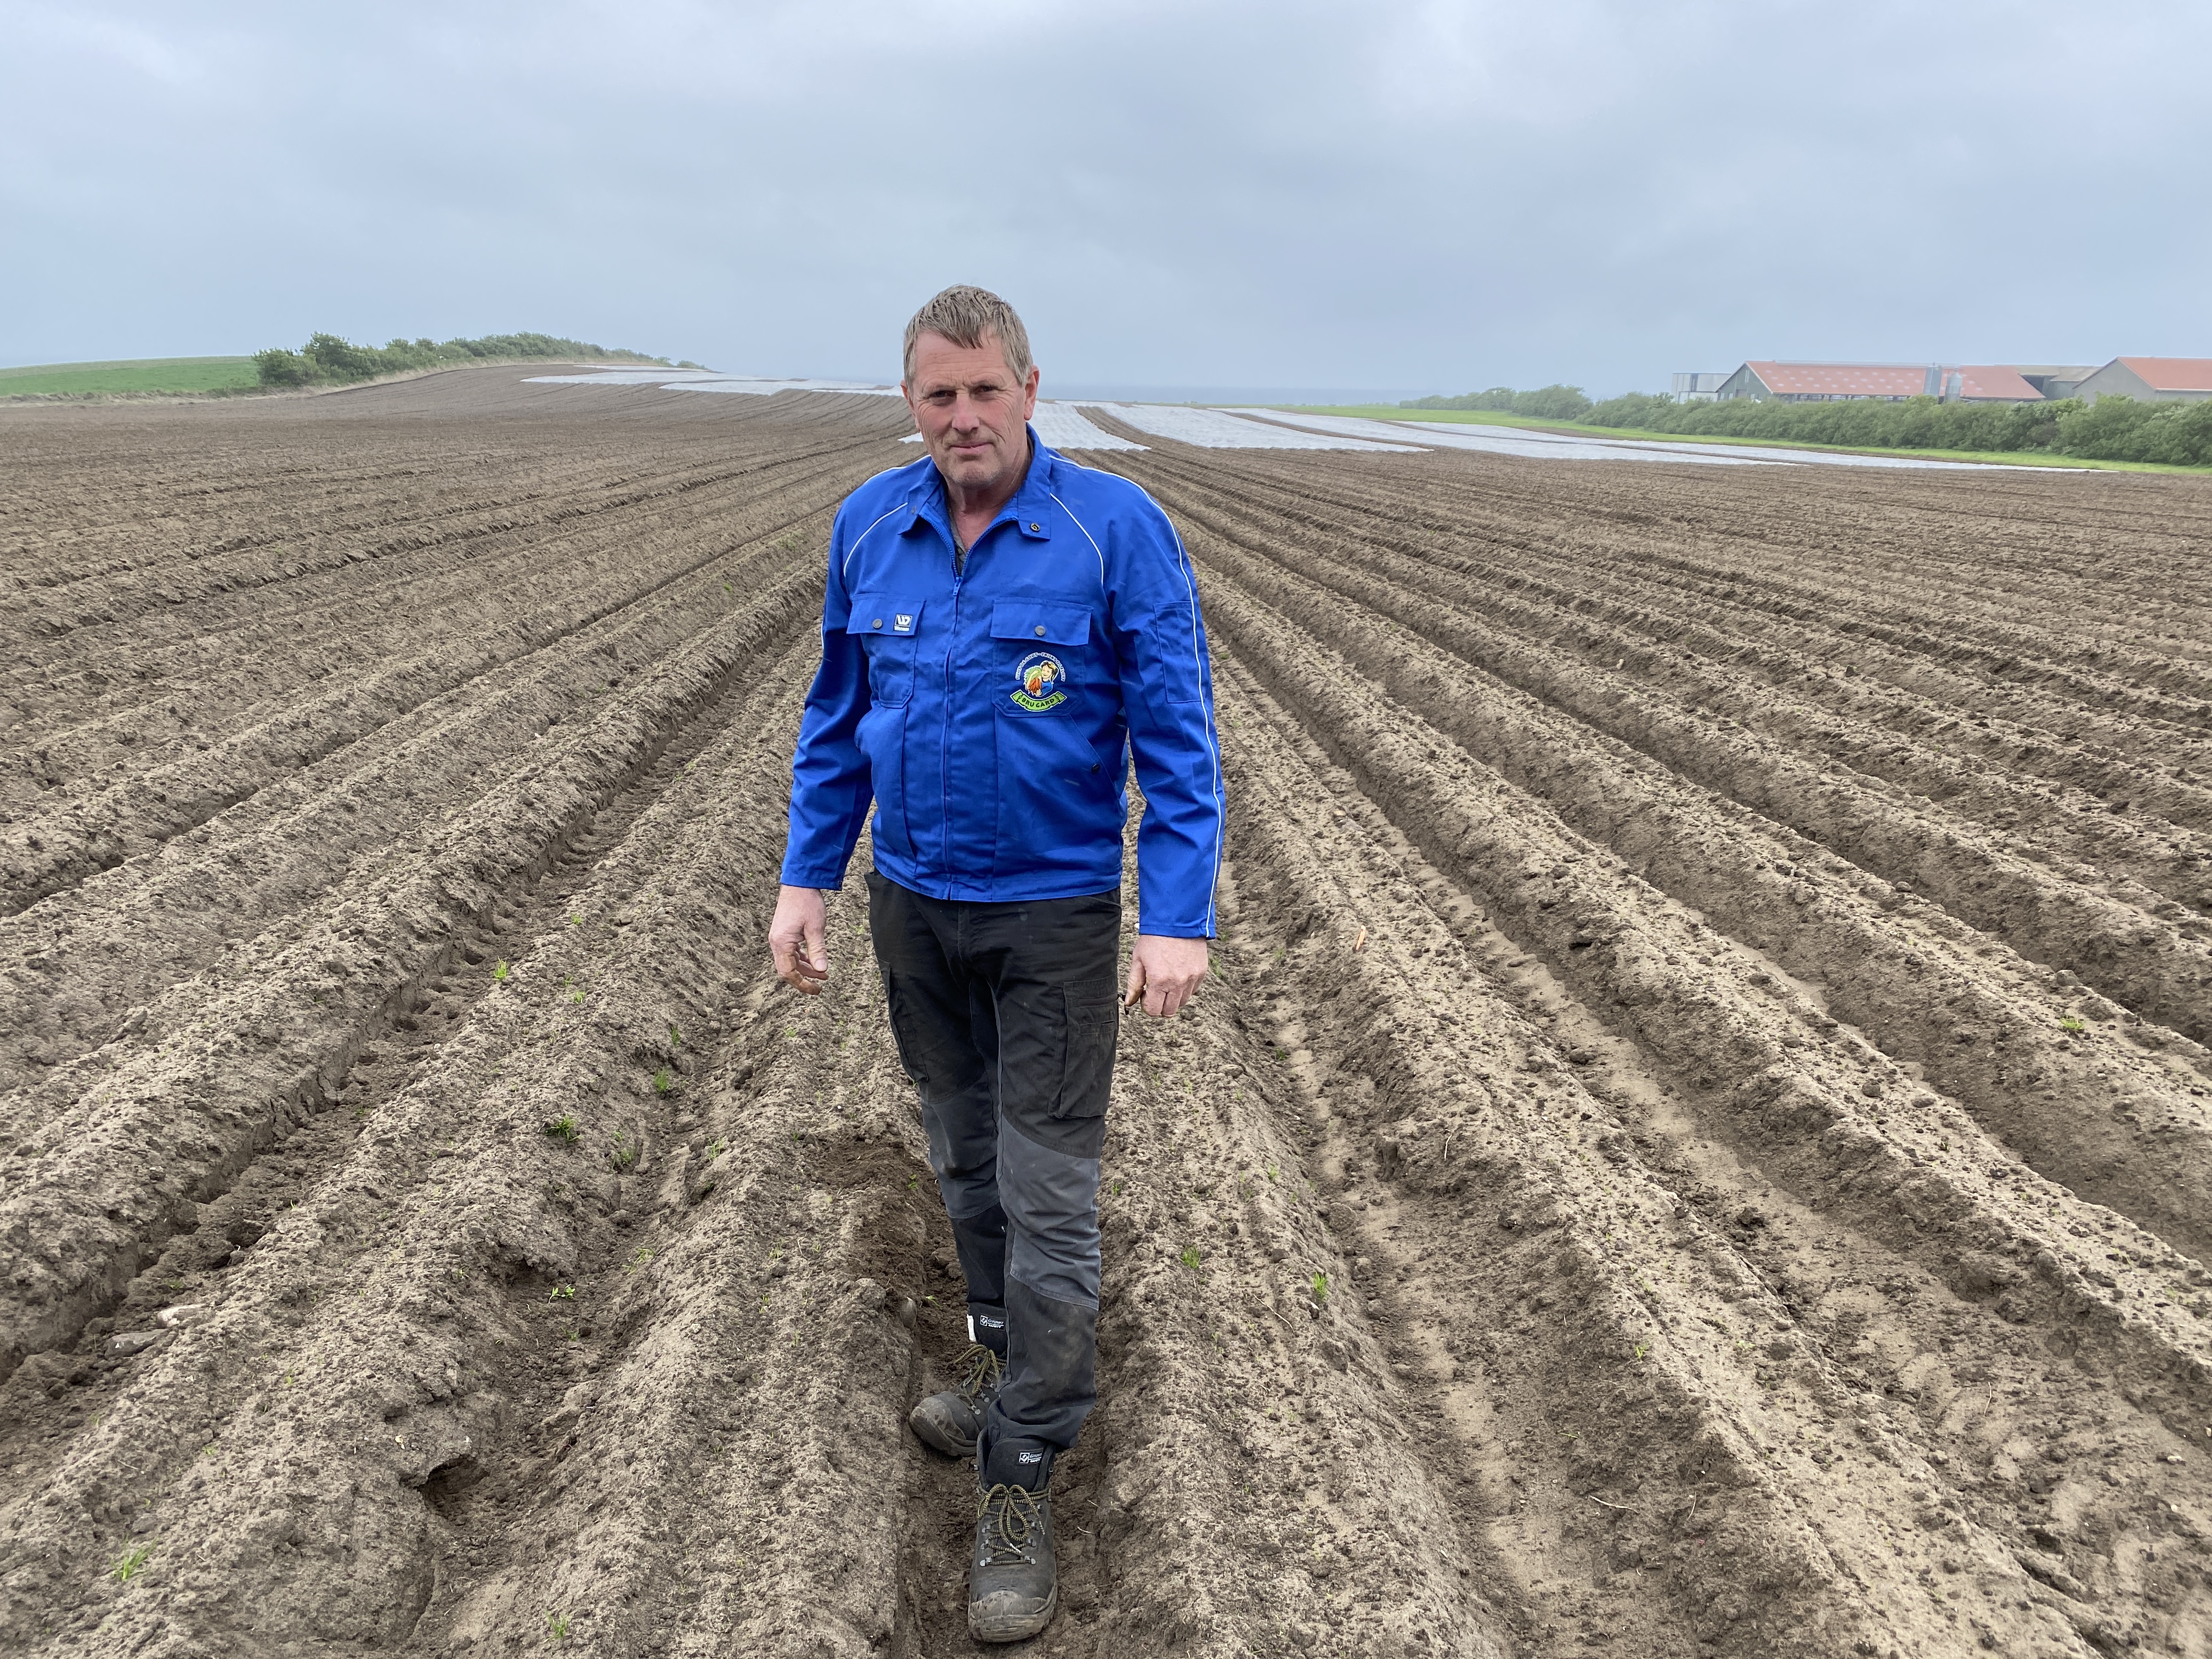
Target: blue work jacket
[(990, 711)]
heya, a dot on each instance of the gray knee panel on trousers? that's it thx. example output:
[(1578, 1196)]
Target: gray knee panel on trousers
[(1051, 1200)]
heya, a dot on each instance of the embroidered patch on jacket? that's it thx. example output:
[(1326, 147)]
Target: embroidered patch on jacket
[(1039, 676)]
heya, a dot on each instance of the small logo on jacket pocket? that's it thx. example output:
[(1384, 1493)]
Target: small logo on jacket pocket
[(1039, 676)]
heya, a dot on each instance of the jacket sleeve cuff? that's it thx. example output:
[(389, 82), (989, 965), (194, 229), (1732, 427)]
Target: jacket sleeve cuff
[(1174, 929)]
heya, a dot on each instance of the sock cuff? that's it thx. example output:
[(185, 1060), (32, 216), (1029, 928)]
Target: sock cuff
[(986, 1324)]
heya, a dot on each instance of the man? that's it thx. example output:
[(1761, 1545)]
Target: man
[(1002, 631)]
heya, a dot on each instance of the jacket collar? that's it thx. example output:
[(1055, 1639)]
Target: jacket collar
[(1031, 510)]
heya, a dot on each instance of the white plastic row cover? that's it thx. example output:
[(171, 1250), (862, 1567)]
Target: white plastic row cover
[(1217, 428), (1575, 447), (752, 386)]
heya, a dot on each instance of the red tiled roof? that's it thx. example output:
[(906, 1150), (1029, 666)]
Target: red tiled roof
[(1977, 381), (2173, 373), (1992, 381), (1843, 380)]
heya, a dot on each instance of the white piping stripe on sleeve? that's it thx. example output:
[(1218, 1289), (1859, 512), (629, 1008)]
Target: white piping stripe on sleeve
[(863, 536), (1212, 742), (1198, 667)]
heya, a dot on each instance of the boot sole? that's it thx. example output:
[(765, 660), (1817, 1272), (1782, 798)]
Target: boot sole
[(1011, 1627)]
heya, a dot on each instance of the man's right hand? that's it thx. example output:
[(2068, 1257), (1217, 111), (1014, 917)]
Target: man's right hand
[(800, 937)]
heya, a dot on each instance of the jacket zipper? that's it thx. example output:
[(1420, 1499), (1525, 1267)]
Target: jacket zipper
[(945, 705)]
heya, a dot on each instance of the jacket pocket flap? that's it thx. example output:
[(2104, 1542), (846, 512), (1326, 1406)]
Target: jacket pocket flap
[(874, 614), (1039, 619)]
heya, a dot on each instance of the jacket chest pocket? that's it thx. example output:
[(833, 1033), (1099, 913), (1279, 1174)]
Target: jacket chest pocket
[(1043, 654), (888, 629)]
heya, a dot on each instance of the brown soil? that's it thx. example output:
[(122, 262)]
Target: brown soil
[(1696, 1143)]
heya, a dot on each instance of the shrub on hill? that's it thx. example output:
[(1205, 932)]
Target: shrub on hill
[(330, 360)]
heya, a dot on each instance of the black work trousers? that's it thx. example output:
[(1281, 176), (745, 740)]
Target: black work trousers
[(1006, 1017)]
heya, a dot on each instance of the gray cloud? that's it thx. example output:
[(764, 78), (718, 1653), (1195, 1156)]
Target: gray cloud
[(1439, 195)]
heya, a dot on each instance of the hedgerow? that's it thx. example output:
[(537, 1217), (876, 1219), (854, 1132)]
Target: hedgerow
[(1545, 403), (330, 360), (2110, 429)]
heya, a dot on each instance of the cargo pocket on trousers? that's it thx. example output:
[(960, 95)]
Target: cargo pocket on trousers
[(906, 1035), (1094, 1026)]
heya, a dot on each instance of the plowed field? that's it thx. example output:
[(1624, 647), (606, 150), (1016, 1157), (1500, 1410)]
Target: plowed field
[(1696, 1143)]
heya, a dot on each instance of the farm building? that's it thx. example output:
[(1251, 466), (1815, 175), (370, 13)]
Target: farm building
[(1819, 383), (1698, 386), (2054, 379), (2150, 380)]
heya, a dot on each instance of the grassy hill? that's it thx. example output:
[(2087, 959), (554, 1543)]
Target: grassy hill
[(130, 375)]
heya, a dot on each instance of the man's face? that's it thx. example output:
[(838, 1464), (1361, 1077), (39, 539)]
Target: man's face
[(972, 412)]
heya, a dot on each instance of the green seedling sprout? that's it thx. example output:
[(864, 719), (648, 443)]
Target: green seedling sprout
[(500, 971), (664, 1082), (624, 1152), (557, 1622), (675, 1036), (1190, 1255), (2072, 1023), (563, 1293), (1319, 1285), (562, 1128), (129, 1566)]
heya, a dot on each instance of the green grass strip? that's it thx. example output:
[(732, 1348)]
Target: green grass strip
[(130, 374)]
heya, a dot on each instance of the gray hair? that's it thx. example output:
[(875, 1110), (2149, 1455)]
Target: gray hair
[(964, 315)]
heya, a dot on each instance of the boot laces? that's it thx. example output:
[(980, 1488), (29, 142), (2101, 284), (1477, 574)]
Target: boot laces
[(1010, 1516), (983, 1370)]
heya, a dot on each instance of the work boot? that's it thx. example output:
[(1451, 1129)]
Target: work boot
[(1013, 1582), (950, 1421)]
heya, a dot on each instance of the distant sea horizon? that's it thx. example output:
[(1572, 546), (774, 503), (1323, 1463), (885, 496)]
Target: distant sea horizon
[(1230, 394)]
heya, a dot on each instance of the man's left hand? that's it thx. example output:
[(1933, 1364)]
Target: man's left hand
[(1164, 972)]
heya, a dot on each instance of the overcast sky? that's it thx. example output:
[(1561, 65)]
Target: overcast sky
[(1439, 195)]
